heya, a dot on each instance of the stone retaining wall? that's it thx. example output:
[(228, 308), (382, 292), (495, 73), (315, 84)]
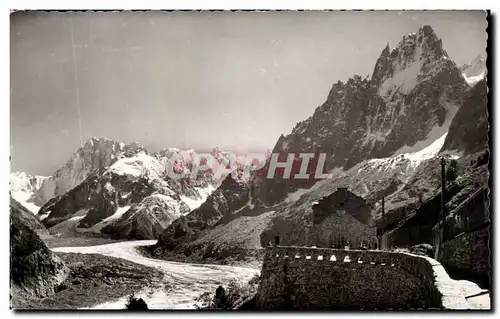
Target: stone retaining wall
[(468, 256), (322, 278)]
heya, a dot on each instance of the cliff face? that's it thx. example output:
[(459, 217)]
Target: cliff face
[(469, 129), (21, 215), (94, 155), (34, 270)]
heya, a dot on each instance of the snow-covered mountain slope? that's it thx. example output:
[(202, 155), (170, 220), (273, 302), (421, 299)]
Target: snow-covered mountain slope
[(475, 71), (103, 169), (22, 188), (410, 100), (145, 220), (132, 198)]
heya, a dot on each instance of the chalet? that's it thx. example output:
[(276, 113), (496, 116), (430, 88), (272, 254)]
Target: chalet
[(342, 218)]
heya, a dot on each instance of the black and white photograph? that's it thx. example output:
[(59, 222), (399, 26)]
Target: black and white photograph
[(250, 160)]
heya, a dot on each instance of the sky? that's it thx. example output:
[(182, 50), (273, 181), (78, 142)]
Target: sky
[(194, 80)]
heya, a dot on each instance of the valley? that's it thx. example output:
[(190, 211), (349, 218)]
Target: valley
[(405, 151)]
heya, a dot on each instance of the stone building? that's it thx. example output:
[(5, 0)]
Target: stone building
[(342, 218)]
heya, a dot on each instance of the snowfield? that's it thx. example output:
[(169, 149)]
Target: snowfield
[(183, 282)]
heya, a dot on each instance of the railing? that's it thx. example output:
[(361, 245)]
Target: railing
[(368, 257)]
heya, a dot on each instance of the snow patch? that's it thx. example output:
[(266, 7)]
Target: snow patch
[(427, 153), (109, 187), (472, 80), (203, 193), (404, 79), (97, 227), (436, 132), (138, 165), (191, 203)]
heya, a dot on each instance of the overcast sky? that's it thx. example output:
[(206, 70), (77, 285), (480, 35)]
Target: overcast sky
[(194, 80)]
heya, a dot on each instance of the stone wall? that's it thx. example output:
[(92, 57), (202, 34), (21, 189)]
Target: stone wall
[(468, 256), (321, 278)]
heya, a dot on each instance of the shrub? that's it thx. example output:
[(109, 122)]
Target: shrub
[(231, 297), (135, 303), (423, 250)]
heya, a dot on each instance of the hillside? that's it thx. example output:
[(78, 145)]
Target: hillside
[(34, 270), (382, 137)]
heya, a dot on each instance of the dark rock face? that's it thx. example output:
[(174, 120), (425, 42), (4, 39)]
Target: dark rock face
[(95, 155), (414, 88), (34, 270), (229, 197), (20, 215), (469, 128), (62, 207)]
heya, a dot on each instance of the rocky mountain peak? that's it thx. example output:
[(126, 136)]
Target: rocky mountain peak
[(413, 94), (415, 55), (96, 154)]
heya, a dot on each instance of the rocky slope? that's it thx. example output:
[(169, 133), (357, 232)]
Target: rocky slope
[(34, 270), (231, 196), (469, 129), (381, 135), (21, 215)]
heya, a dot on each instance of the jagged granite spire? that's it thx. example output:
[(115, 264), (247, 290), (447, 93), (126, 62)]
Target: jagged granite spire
[(415, 89)]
